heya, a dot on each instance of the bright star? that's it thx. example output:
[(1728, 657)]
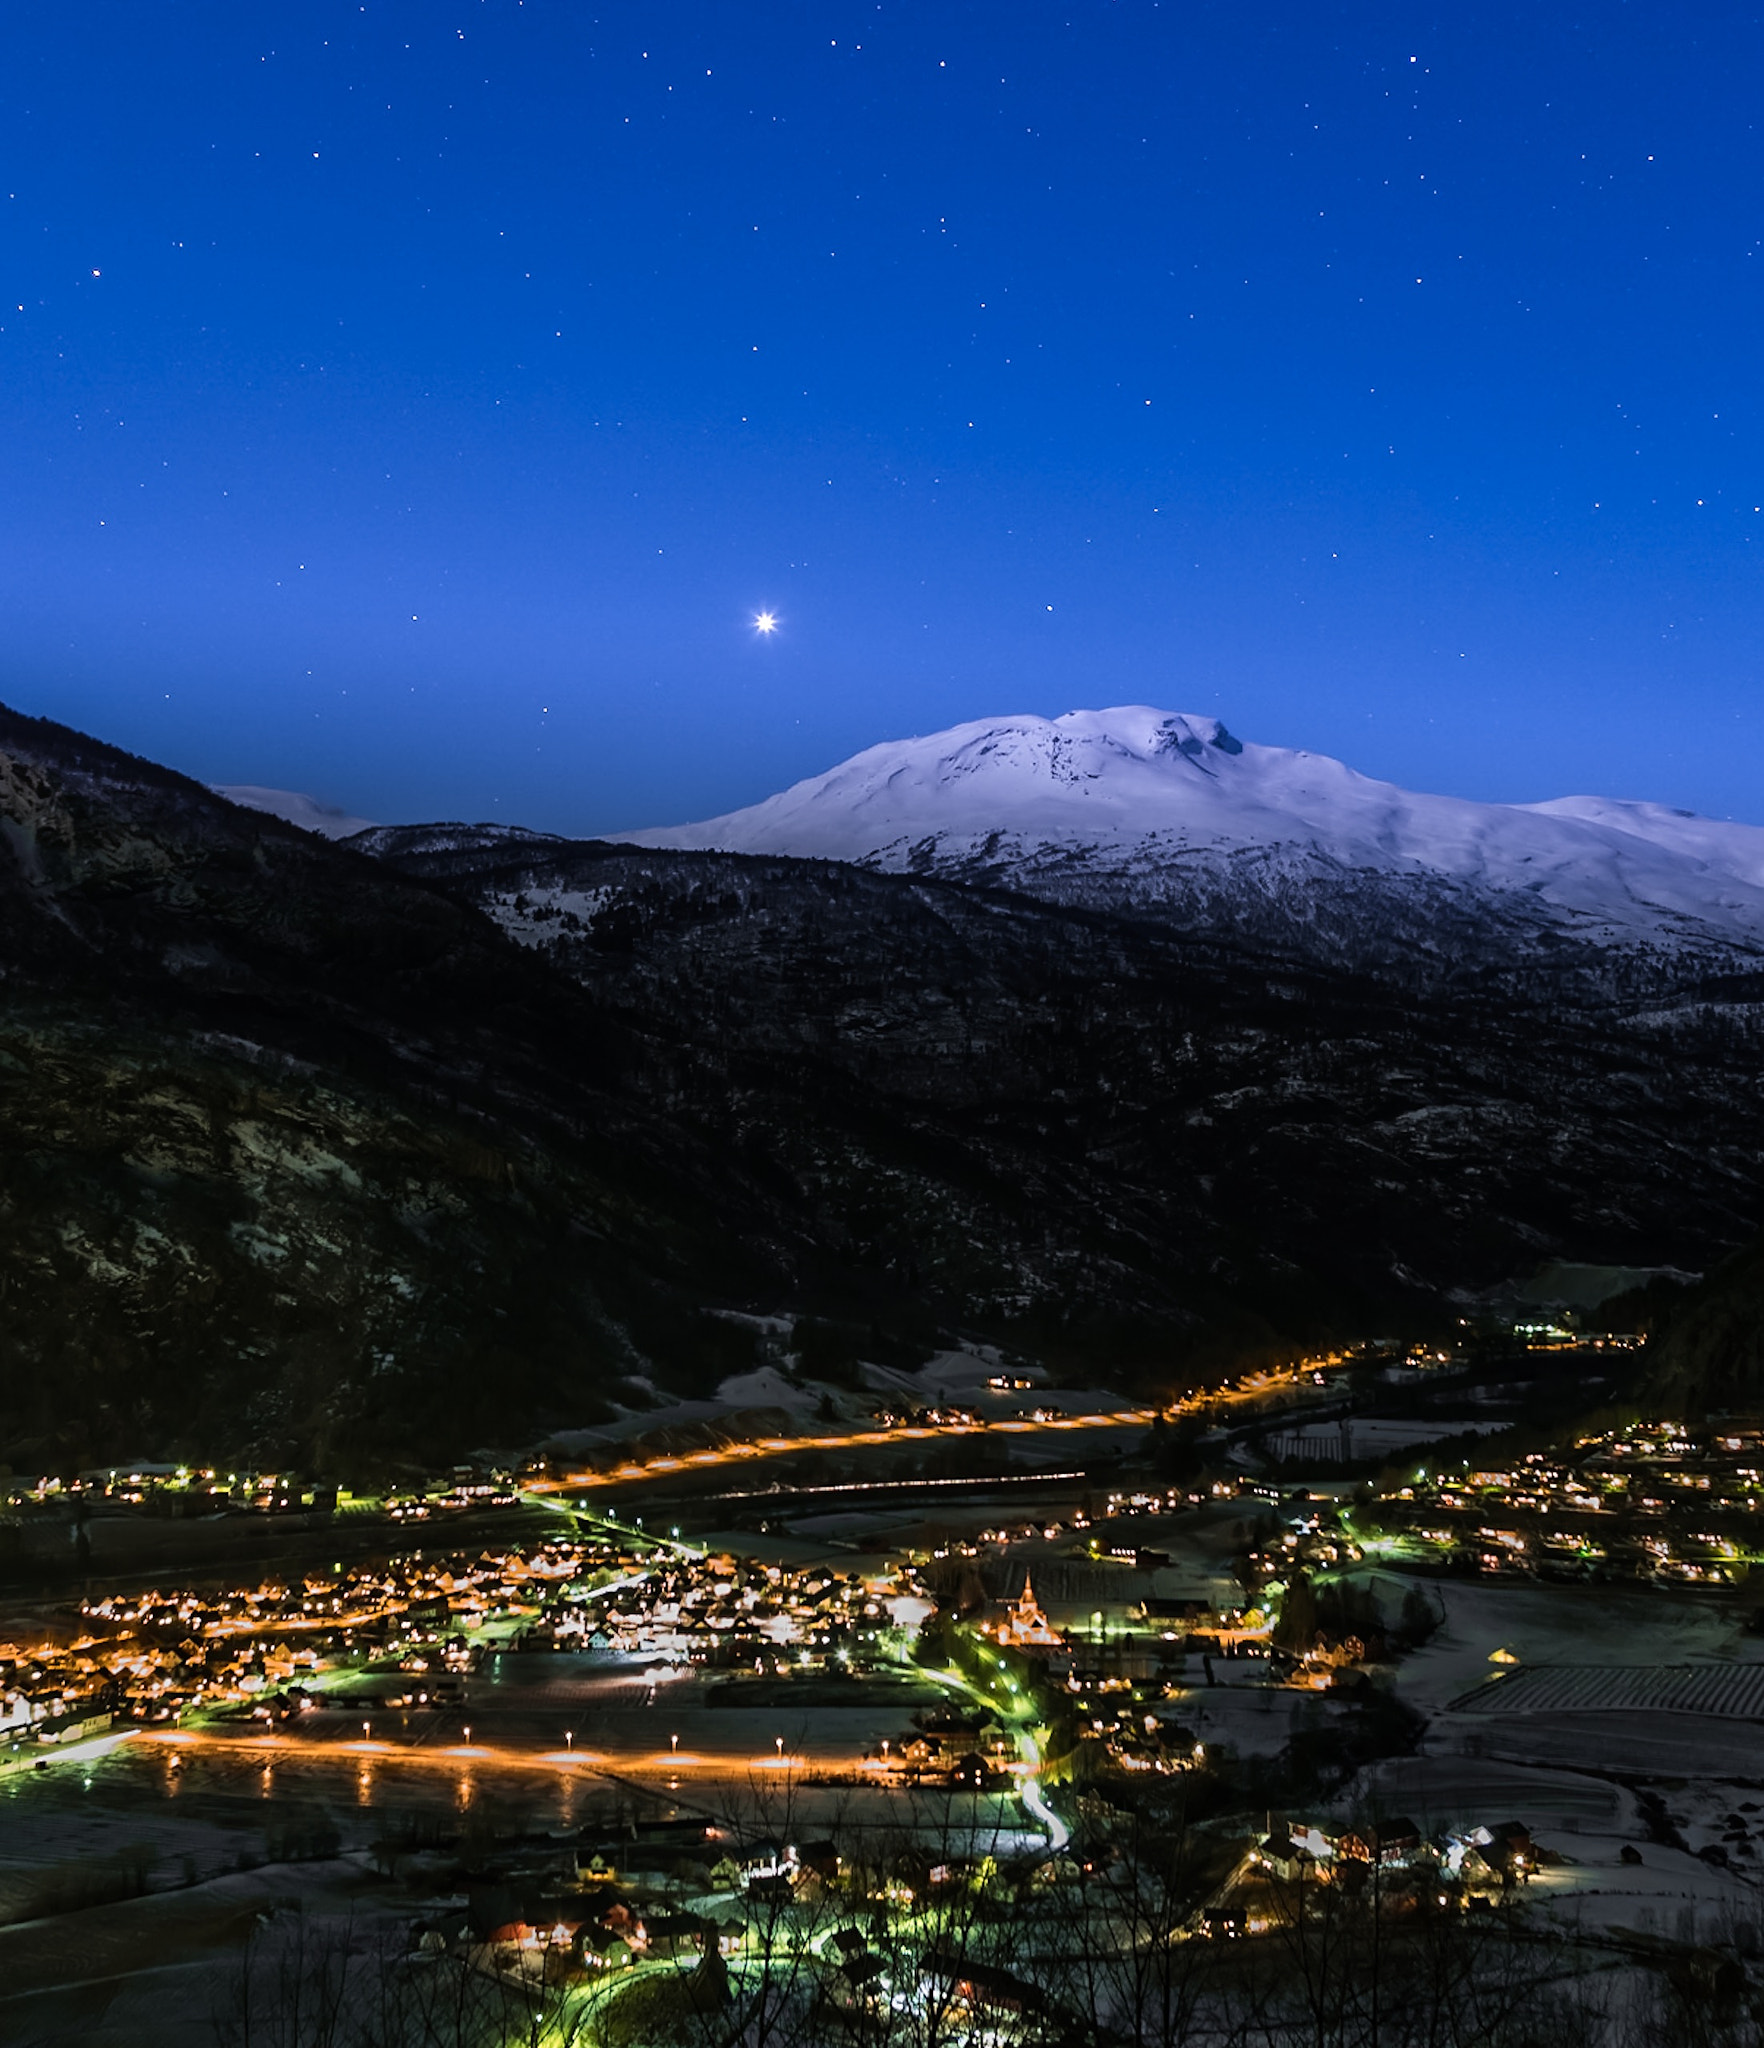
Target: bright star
[(765, 622)]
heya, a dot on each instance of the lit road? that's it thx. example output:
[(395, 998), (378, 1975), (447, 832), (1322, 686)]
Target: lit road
[(366, 1751), (743, 1453), (1028, 1784), (1255, 1387), (1058, 1834)]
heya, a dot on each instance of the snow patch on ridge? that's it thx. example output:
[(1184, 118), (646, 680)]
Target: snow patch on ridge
[(293, 807)]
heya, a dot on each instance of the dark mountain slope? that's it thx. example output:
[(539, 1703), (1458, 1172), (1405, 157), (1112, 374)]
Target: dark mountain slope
[(307, 1152), (1049, 1109), (296, 1151), (1709, 1350)]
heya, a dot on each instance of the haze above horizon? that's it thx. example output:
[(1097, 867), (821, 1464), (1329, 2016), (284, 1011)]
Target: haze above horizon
[(424, 407)]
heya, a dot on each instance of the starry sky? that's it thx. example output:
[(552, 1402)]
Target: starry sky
[(415, 402)]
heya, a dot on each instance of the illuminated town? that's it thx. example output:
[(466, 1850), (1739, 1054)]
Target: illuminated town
[(569, 1733)]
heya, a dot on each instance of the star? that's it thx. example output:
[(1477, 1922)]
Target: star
[(765, 623)]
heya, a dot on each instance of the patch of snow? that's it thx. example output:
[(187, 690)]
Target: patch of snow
[(294, 807), (536, 916), (453, 837), (766, 1387)]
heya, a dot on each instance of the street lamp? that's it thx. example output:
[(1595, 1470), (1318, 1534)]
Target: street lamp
[(780, 1742), (364, 1731), (468, 1731), (674, 1744), (570, 1740)]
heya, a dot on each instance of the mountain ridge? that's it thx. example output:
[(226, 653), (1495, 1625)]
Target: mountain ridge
[(1171, 814), (307, 1154)]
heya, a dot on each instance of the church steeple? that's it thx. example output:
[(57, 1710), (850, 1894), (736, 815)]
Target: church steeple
[(1025, 1622)]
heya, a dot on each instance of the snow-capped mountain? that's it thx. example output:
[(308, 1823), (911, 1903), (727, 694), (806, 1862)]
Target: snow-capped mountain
[(294, 807), (1139, 808)]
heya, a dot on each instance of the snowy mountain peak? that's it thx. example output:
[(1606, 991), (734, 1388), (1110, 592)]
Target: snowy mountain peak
[(1134, 806)]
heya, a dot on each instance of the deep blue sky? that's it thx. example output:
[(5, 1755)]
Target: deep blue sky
[(414, 402)]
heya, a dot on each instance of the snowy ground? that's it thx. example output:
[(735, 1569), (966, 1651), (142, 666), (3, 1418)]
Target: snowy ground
[(1250, 1721), (1374, 1436), (154, 1972), (1630, 1744), (1709, 1810), (1669, 1892), (952, 1378), (1556, 1625), (1727, 1691), (1453, 1791), (1586, 1821)]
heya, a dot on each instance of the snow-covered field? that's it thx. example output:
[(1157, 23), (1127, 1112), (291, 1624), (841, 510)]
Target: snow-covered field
[(1723, 1690), (1633, 1744), (1251, 1721), (1372, 1436), (1606, 1625), (1462, 1791)]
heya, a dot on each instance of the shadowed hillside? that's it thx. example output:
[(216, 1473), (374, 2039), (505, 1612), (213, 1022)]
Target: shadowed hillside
[(339, 1151)]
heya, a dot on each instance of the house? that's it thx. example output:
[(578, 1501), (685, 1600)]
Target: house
[(602, 1948), (1390, 1844), (677, 1934), (857, 1980), (1152, 1608), (981, 1987), (1281, 1856), (765, 1858), (1509, 1849), (684, 1832), (1396, 1842)]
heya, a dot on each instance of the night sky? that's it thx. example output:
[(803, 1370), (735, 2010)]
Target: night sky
[(415, 403)]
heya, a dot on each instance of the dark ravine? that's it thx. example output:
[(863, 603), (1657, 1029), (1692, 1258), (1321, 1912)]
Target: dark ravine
[(1709, 1354), (400, 1146)]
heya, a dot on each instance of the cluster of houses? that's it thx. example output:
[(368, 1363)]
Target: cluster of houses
[(152, 1656), (562, 1912), (425, 1620), (1654, 1500), (964, 1748), (201, 1490), (1390, 1862), (688, 1892), (721, 1611), (51, 1699)]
